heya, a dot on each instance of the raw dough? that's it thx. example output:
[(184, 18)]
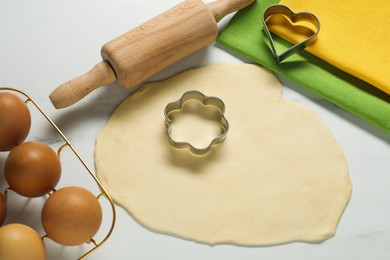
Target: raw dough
[(279, 176)]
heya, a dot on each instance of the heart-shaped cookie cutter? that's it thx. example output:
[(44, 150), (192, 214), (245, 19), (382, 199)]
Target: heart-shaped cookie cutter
[(207, 101), (294, 17)]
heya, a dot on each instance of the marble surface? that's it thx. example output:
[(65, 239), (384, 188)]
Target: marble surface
[(45, 43)]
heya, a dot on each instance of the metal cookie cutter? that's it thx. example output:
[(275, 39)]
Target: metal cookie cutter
[(294, 17), (205, 100)]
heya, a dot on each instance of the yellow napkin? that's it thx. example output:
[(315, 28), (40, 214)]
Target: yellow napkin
[(354, 36)]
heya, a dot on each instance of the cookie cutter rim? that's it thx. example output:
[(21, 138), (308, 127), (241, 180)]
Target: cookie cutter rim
[(286, 11), (206, 101)]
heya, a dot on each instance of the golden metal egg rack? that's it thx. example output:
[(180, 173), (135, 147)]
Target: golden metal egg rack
[(68, 144)]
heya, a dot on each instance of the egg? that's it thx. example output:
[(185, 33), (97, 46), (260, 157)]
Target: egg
[(15, 121), (32, 169), (71, 216), (3, 209), (18, 241)]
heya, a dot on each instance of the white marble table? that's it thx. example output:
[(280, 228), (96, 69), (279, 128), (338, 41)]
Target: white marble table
[(44, 43)]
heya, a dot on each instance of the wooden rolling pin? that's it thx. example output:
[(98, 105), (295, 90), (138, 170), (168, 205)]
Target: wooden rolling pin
[(149, 48)]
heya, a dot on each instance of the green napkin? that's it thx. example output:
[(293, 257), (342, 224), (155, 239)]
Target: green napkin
[(244, 34)]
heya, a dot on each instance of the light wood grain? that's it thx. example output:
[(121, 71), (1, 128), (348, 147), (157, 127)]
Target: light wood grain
[(75, 89), (221, 8), (150, 47), (160, 42)]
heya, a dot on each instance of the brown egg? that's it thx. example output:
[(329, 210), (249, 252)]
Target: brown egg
[(71, 216), (3, 209), (18, 241), (15, 121), (32, 169)]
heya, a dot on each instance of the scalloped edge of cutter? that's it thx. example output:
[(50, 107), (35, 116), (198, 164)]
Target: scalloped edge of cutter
[(206, 101)]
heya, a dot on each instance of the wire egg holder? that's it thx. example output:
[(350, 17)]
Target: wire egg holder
[(70, 146)]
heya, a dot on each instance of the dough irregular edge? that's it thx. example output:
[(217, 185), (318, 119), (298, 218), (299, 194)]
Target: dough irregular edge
[(147, 86)]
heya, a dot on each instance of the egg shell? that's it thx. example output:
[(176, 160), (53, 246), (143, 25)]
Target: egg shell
[(3, 209), (18, 241), (71, 216), (15, 121), (32, 169)]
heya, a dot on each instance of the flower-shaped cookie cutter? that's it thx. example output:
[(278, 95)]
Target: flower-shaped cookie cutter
[(206, 101)]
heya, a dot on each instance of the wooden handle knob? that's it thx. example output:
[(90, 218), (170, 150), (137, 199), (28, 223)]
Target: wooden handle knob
[(222, 8), (75, 89)]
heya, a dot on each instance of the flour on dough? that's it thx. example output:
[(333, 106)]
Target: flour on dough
[(278, 177)]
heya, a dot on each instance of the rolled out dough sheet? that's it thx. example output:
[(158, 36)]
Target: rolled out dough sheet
[(278, 177)]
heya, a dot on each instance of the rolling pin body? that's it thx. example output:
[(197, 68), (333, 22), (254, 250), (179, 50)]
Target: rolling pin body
[(160, 42), (149, 48)]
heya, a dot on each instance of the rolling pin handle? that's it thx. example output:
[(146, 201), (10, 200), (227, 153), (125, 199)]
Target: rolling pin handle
[(221, 8), (75, 89)]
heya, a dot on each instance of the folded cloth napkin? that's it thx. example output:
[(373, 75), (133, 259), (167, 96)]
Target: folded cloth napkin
[(354, 37), (245, 36)]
